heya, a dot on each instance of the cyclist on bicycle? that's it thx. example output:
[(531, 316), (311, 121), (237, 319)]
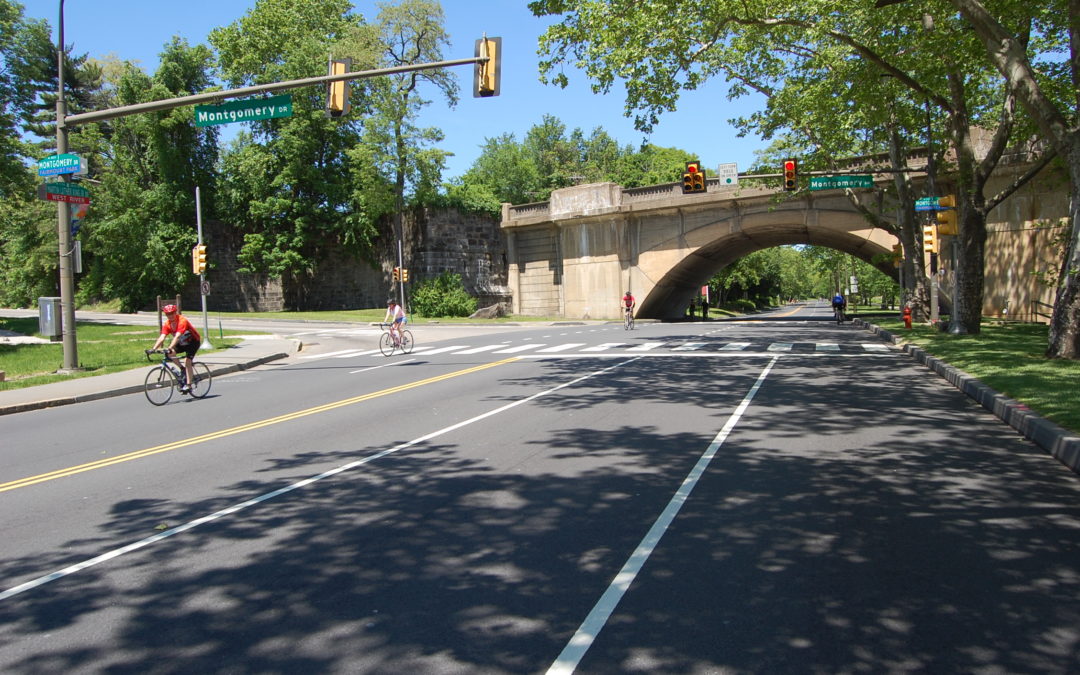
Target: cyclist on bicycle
[(629, 303), (185, 339), (839, 303), (395, 312)]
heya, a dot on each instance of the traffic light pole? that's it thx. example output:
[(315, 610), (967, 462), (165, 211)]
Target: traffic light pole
[(202, 275), (63, 220)]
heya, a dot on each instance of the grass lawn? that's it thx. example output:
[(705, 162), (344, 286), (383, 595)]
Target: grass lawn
[(1009, 358), (103, 348)]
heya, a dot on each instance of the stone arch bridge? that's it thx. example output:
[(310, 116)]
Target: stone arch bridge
[(576, 254)]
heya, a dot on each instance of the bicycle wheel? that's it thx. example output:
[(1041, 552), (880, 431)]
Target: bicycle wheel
[(159, 385), (203, 380), (386, 344), (406, 342)]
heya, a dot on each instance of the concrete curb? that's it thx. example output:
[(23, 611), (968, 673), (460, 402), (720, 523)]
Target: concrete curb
[(131, 389), (1061, 443)]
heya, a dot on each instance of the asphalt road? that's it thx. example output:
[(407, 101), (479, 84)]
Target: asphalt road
[(781, 495)]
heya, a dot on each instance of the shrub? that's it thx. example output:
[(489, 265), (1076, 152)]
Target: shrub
[(442, 296)]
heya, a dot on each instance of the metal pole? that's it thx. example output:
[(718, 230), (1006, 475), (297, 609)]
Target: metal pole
[(202, 276), (63, 220), (401, 271)]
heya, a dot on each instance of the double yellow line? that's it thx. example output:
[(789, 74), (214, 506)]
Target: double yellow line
[(175, 445)]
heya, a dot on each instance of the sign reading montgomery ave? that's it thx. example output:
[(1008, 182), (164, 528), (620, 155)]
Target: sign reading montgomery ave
[(833, 182), (243, 111)]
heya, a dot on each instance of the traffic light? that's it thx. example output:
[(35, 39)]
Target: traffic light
[(897, 254), (487, 74), (404, 274), (396, 274), (198, 258), (791, 173), (946, 219), (929, 239), (693, 178), (337, 93)]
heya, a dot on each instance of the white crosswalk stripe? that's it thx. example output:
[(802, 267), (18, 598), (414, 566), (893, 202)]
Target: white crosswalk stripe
[(827, 347), (689, 347), (781, 347), (519, 348), (478, 350), (735, 346), (440, 350), (604, 347), (562, 347), (875, 347), (646, 347)]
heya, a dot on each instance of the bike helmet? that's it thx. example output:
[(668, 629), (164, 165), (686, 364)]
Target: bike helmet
[(169, 309)]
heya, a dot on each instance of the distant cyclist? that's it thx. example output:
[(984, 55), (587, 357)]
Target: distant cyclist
[(396, 315), (839, 304), (185, 339), (629, 303)]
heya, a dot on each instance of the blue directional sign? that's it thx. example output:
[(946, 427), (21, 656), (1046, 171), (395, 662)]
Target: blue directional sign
[(55, 165)]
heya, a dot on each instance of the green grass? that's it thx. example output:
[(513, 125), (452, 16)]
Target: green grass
[(1009, 358), (102, 349)]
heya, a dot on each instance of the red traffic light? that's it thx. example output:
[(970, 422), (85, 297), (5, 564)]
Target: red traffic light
[(791, 168), (691, 167)]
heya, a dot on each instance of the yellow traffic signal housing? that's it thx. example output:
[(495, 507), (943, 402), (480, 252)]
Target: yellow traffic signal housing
[(337, 95), (198, 258), (693, 178), (897, 254), (791, 175), (947, 219), (929, 239), (487, 74), (396, 274), (404, 274)]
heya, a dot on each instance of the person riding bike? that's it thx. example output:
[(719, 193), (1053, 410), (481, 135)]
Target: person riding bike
[(185, 339), (397, 314), (629, 303), (839, 303)]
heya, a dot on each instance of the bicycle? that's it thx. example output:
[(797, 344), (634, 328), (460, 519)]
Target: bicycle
[(628, 319), (162, 380), (838, 312), (388, 343)]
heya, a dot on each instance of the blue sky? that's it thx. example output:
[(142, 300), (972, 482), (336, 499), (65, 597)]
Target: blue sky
[(137, 29)]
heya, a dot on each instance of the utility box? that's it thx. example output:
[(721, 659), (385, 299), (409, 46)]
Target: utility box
[(49, 319)]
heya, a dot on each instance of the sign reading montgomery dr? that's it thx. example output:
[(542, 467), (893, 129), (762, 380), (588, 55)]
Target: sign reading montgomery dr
[(54, 165), (243, 111)]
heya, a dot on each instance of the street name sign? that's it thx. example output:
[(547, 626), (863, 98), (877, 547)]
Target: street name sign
[(926, 204), (54, 165), (244, 111), (64, 192), (834, 182)]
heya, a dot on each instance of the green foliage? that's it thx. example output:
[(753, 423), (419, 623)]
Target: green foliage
[(442, 296)]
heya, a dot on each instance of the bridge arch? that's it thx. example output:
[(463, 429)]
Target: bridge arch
[(575, 255)]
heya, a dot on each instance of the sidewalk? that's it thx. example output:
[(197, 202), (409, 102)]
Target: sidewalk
[(253, 351)]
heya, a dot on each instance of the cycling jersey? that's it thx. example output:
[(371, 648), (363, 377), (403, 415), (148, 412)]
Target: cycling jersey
[(182, 327)]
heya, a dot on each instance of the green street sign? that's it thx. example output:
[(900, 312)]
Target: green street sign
[(57, 164), (834, 182), (243, 111), (64, 192)]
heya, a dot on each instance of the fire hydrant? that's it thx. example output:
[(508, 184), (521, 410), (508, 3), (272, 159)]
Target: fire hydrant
[(907, 318)]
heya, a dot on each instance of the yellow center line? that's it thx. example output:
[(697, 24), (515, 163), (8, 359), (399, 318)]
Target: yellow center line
[(175, 445)]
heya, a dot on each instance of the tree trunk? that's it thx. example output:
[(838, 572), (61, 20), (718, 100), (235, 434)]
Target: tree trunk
[(1064, 342), (967, 305)]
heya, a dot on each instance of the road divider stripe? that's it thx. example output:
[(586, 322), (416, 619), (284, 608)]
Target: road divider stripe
[(215, 435), (191, 524)]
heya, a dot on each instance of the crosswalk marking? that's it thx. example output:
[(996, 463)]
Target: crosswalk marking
[(781, 346), (735, 346), (485, 348), (875, 347), (519, 348), (646, 347), (603, 347), (355, 352), (688, 347), (439, 350), (562, 348), (827, 347), (323, 356)]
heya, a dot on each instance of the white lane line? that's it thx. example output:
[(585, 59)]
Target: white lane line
[(827, 347), (646, 347), (485, 348), (781, 346), (385, 365), (572, 654), (875, 347), (519, 348), (561, 348), (192, 524)]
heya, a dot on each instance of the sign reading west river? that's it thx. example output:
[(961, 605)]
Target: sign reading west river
[(243, 111)]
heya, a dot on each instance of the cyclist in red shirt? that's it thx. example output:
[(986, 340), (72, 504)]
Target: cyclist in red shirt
[(185, 339)]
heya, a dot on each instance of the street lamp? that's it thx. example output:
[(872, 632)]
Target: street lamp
[(67, 280)]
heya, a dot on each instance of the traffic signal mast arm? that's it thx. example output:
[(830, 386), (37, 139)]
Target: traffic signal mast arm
[(217, 96)]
